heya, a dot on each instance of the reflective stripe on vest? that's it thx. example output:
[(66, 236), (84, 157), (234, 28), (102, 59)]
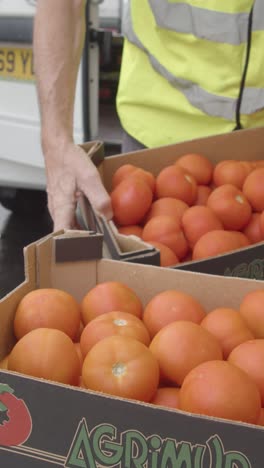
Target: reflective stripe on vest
[(209, 103), (229, 28)]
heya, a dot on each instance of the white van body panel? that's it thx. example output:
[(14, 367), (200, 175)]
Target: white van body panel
[(21, 158)]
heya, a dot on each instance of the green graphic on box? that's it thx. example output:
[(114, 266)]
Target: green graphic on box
[(105, 446)]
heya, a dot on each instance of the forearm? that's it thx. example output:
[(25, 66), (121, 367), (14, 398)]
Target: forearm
[(59, 31)]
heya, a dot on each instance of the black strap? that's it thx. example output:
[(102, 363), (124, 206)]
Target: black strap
[(244, 75)]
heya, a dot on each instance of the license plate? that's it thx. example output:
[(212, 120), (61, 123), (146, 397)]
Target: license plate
[(16, 63)]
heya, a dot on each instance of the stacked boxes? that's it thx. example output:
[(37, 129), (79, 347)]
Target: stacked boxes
[(240, 145), (73, 427)]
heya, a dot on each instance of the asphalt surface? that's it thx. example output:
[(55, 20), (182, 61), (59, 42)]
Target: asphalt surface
[(17, 231)]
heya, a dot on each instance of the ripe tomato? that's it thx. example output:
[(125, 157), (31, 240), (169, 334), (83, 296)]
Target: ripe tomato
[(176, 182), (47, 308), (121, 173), (167, 206), (131, 200), (110, 296), (260, 421), (147, 176), (261, 222), (251, 309), (222, 390), (249, 357), (218, 242), (113, 323), (121, 366), (48, 354), (134, 230), (253, 229), (167, 396), (198, 166), (228, 326), (167, 231), (231, 172), (253, 189), (197, 221), (230, 206), (170, 306), (203, 192), (167, 256), (181, 346), (129, 169)]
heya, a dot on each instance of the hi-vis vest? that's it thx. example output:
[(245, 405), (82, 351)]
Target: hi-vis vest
[(191, 68)]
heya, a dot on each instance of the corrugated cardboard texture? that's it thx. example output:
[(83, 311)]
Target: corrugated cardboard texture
[(64, 409), (45, 256), (62, 261), (94, 150), (77, 278), (147, 280), (239, 145)]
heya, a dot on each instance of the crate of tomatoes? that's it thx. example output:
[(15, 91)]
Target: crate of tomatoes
[(111, 363), (200, 203)]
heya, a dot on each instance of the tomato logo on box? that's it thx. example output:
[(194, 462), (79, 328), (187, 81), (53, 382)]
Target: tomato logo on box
[(15, 418)]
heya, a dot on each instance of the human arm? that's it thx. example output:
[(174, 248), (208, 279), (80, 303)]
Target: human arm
[(59, 31)]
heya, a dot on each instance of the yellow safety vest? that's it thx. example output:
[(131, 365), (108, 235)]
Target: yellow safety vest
[(191, 68)]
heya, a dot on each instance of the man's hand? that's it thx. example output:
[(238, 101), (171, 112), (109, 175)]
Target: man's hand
[(59, 31), (71, 172)]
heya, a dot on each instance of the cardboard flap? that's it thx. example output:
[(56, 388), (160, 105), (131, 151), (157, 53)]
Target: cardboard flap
[(123, 247), (86, 216), (76, 246), (95, 151), (116, 246), (126, 245), (66, 247), (30, 263)]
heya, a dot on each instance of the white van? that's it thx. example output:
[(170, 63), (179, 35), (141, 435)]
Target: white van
[(22, 174)]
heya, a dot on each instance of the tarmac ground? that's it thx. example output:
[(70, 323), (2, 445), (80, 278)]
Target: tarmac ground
[(17, 231)]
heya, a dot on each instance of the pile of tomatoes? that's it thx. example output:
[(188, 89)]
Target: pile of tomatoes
[(191, 209), (169, 352)]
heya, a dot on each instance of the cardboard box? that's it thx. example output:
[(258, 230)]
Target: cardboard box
[(116, 246), (239, 145), (73, 427)]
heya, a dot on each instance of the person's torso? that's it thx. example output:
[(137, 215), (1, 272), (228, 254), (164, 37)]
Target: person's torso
[(196, 63)]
